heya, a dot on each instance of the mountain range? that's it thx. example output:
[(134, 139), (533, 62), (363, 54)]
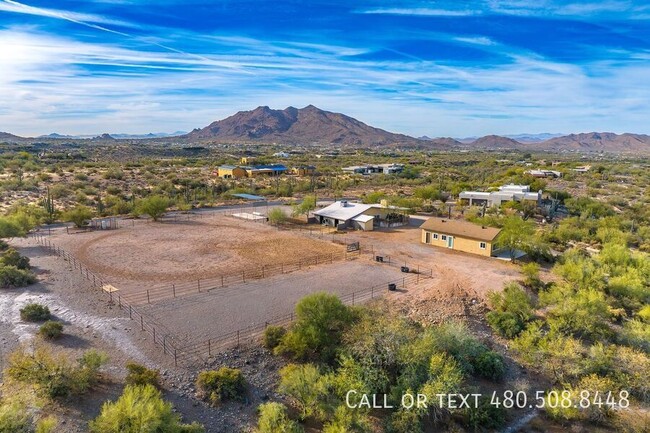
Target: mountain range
[(313, 126)]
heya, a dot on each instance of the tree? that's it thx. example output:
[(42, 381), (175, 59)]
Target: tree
[(307, 387), (321, 319), (516, 234), (140, 409), (307, 205), (79, 215), (155, 206)]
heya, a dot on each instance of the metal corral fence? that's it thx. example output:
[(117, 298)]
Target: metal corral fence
[(161, 336), (199, 351), (170, 291)]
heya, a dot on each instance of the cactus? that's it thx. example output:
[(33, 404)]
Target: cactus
[(48, 205)]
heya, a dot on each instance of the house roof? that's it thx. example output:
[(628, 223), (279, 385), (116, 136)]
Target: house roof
[(344, 213), (463, 229), (363, 218)]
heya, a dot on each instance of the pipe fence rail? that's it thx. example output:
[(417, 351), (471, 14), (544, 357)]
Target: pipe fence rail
[(195, 353), (205, 348), (170, 291), (161, 336)]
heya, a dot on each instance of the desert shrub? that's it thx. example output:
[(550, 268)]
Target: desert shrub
[(511, 310), (12, 257), (155, 206), (10, 228), (276, 216), (138, 374), (321, 319), (506, 324), (79, 215), (485, 415), (14, 419), (490, 365), (307, 387), (54, 374), (221, 385), (274, 419), (140, 409), (4, 246), (273, 336), (35, 313), (47, 425), (404, 421), (11, 276), (51, 330), (456, 340), (346, 420)]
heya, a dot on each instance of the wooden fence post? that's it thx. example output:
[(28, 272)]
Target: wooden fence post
[(148, 300), (174, 289), (209, 348), (141, 322)]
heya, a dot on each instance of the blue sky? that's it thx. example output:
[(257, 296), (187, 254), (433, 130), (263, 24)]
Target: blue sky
[(437, 68)]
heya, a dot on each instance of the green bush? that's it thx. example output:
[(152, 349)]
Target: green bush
[(273, 336), (11, 276), (12, 257), (485, 415), (155, 206), (404, 421), (506, 324), (35, 313), (51, 330), (321, 319), (221, 385), (274, 419), (14, 419), (490, 365), (138, 374), (140, 409), (276, 216), (53, 373), (79, 216)]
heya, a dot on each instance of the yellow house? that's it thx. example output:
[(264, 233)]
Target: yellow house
[(303, 170), (231, 172), (459, 235)]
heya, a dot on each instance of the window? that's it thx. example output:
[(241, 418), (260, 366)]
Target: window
[(444, 237), (482, 245), (435, 236)]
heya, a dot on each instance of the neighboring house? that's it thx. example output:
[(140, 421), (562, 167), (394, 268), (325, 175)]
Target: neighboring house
[(266, 170), (459, 235), (583, 169), (505, 193), (377, 168), (303, 170), (281, 155), (545, 173), (237, 172), (360, 216), (231, 172)]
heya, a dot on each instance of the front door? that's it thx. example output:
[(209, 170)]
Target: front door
[(450, 242)]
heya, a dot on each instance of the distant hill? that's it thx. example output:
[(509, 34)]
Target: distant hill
[(600, 141), (495, 142), (309, 125), (5, 136)]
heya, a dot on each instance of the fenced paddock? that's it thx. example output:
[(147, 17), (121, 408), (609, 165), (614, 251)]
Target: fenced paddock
[(195, 327)]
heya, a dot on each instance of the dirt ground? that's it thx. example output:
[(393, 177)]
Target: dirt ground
[(452, 270), (157, 253), (197, 317)]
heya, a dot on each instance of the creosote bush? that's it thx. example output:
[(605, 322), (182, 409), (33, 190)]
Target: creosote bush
[(140, 409), (273, 418), (11, 276), (35, 313), (138, 374), (273, 336), (221, 385), (51, 330)]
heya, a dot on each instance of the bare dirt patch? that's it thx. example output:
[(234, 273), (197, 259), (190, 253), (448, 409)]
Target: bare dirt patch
[(158, 253)]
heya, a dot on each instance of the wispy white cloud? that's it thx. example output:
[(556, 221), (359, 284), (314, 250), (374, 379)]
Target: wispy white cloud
[(53, 84), (421, 11), (16, 7)]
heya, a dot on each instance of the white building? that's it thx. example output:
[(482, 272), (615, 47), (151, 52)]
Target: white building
[(510, 192)]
